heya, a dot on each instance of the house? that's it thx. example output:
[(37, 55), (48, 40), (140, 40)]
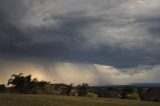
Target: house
[(74, 92), (60, 89)]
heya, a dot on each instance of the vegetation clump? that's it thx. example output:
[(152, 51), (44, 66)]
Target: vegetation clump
[(92, 94), (133, 96)]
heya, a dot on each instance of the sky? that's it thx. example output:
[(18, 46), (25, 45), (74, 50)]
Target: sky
[(100, 42)]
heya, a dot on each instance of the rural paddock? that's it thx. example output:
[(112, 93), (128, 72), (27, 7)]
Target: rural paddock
[(54, 100)]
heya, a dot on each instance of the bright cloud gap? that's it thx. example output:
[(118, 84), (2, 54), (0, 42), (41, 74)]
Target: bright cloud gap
[(78, 73)]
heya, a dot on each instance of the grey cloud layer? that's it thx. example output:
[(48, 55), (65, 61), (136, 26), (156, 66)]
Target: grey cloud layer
[(121, 33)]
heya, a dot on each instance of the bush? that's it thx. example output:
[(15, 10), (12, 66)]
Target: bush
[(49, 89), (91, 94), (133, 96)]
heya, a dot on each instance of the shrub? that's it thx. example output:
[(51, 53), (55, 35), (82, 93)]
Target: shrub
[(133, 96), (91, 94), (49, 89)]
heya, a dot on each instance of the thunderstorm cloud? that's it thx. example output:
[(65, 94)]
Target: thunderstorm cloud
[(105, 41)]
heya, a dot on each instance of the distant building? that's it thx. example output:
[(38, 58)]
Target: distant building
[(74, 92)]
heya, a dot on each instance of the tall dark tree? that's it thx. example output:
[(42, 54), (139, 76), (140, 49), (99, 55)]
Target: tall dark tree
[(17, 81), (20, 82), (25, 83), (83, 89), (34, 84), (43, 84), (69, 88)]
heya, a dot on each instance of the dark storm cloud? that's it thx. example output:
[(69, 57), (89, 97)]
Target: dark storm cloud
[(103, 41), (68, 30), (69, 46), (67, 38), (154, 23), (11, 38)]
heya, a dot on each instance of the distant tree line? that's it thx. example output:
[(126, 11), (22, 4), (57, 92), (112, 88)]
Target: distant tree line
[(25, 84)]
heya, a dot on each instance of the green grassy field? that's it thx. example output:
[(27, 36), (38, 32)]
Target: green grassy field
[(50, 100)]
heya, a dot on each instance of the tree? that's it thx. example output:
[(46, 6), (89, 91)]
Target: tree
[(69, 88), (83, 89), (20, 82), (34, 84), (26, 84), (130, 92), (43, 84), (2, 87), (131, 89), (17, 81)]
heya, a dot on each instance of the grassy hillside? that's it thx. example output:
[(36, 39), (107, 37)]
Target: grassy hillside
[(50, 100)]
